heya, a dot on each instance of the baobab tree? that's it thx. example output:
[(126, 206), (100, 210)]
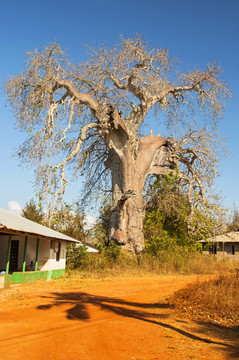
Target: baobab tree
[(93, 113)]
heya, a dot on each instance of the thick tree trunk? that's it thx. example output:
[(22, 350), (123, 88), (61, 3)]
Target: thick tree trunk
[(130, 167), (127, 204)]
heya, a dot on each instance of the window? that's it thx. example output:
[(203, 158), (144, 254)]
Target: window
[(57, 250), (57, 246), (230, 249), (213, 249)]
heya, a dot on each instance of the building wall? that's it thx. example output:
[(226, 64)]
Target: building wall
[(222, 251), (47, 257)]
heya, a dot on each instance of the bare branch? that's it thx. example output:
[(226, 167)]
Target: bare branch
[(82, 98)]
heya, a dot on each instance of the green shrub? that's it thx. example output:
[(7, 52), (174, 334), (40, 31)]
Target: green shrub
[(75, 256)]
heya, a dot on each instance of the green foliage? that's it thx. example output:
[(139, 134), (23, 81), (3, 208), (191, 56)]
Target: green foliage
[(75, 256), (69, 221), (33, 212), (111, 251), (166, 219), (165, 223)]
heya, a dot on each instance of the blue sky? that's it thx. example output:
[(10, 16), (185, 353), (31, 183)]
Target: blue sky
[(196, 31)]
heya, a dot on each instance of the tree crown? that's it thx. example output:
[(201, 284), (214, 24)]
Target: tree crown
[(69, 111)]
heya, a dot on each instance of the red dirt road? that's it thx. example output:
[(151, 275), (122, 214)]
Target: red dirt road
[(119, 319)]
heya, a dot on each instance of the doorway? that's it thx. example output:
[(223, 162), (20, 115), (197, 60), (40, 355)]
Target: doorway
[(14, 256)]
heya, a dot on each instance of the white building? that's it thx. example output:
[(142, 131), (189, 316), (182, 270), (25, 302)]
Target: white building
[(30, 251)]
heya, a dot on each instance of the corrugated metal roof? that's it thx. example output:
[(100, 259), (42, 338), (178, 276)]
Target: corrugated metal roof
[(229, 237), (9, 221)]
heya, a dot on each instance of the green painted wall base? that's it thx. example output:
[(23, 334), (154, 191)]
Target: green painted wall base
[(5, 281), (29, 277)]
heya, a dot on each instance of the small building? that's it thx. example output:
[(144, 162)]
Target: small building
[(30, 251), (225, 246)]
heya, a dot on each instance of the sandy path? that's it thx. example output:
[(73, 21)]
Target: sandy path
[(104, 320)]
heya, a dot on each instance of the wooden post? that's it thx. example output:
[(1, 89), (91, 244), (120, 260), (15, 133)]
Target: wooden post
[(24, 256), (9, 253), (36, 262)]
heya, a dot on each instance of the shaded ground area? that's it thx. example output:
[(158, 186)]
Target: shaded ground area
[(106, 319)]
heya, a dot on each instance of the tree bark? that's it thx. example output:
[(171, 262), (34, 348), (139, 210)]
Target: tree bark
[(130, 164)]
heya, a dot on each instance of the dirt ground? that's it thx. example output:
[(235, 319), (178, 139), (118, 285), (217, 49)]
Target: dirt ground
[(106, 319)]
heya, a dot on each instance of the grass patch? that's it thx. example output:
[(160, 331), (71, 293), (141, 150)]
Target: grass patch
[(215, 300)]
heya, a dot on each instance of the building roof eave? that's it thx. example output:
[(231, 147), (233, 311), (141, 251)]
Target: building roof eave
[(10, 223), (223, 238)]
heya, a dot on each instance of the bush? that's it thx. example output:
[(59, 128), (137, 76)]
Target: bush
[(75, 256)]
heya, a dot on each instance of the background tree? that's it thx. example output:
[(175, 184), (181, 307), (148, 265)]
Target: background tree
[(167, 210), (33, 212), (88, 117), (234, 223), (101, 229), (167, 213), (69, 220)]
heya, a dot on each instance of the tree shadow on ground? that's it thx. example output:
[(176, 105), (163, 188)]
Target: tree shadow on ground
[(79, 302), (78, 310), (229, 334)]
